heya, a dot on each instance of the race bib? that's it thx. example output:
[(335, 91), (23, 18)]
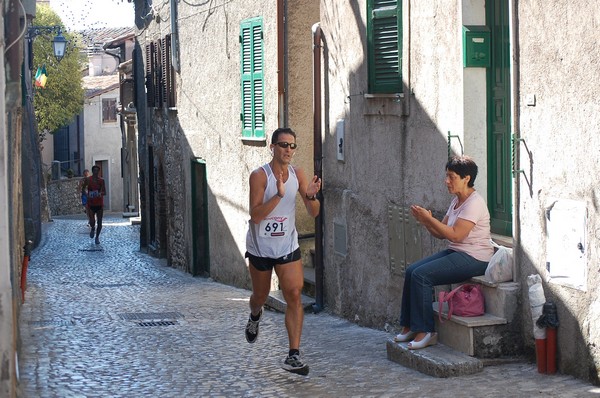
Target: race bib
[(93, 194), (274, 227)]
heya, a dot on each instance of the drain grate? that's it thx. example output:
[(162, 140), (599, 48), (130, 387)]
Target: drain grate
[(58, 322), (108, 285), (90, 250), (157, 323), (139, 316)]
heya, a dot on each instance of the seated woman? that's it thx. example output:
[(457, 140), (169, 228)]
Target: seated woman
[(467, 227)]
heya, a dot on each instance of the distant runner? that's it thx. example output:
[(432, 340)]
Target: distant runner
[(95, 199)]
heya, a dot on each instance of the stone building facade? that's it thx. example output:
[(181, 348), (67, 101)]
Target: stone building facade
[(509, 83), (12, 228), (523, 107), (195, 153)]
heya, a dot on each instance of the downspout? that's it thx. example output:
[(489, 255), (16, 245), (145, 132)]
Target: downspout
[(318, 155), (516, 139), (281, 63), (121, 125)]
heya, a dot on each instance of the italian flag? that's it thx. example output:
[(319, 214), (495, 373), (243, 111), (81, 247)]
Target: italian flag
[(40, 77)]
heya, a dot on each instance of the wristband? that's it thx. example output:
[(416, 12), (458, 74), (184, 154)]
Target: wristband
[(281, 196), (310, 197)]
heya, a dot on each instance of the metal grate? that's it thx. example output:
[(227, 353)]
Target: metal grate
[(340, 242), (58, 322), (157, 323), (91, 250), (135, 316), (108, 285)]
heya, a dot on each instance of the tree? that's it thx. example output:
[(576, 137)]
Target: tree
[(62, 97)]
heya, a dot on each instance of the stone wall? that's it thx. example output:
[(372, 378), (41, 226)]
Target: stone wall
[(64, 198), (559, 125), (12, 227)]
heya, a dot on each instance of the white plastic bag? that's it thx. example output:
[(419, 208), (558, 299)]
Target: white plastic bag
[(536, 302), (499, 268)]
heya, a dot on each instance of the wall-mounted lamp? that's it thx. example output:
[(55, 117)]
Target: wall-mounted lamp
[(59, 43)]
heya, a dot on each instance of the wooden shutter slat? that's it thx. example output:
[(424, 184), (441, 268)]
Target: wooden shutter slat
[(385, 43), (251, 68), (150, 75), (258, 106), (171, 92)]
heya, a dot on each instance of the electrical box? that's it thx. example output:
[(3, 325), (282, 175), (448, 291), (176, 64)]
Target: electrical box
[(476, 46)]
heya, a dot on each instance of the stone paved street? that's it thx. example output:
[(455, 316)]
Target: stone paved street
[(81, 336)]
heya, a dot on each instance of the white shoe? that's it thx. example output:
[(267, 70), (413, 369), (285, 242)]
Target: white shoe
[(408, 336), (429, 339)]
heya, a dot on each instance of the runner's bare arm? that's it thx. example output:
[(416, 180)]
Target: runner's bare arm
[(308, 190)]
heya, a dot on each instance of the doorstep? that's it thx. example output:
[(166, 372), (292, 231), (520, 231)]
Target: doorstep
[(276, 302), (437, 360)]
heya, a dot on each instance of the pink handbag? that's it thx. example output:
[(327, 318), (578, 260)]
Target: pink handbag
[(465, 300)]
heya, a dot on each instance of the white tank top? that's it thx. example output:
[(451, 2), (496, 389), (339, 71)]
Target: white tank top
[(276, 235)]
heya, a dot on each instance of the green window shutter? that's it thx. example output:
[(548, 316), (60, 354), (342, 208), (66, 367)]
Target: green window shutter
[(251, 44), (384, 46)]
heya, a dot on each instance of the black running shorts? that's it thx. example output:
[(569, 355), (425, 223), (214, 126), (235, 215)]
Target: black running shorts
[(267, 264)]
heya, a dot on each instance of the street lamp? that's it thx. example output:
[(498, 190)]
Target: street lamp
[(59, 43)]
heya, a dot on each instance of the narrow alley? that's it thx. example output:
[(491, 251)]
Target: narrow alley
[(109, 321)]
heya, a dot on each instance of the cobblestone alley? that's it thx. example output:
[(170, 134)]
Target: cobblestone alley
[(90, 328)]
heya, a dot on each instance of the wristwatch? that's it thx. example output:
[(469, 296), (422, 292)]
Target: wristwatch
[(310, 197)]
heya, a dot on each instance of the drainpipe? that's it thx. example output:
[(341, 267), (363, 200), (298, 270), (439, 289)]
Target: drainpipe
[(122, 123), (516, 124), (318, 155), (282, 63)]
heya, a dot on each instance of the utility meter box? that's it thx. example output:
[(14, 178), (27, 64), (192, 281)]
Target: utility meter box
[(476, 46)]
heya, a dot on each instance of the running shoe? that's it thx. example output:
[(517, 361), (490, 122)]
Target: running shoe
[(294, 364), (252, 328)]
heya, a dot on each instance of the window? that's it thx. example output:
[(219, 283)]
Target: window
[(151, 75), (160, 75), (384, 46), (109, 110), (251, 43)]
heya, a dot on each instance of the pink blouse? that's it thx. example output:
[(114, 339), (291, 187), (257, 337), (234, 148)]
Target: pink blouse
[(477, 243)]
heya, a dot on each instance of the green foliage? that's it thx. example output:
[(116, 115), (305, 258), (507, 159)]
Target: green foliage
[(62, 98)]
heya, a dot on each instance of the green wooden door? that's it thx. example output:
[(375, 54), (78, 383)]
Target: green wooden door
[(201, 258), (499, 123)]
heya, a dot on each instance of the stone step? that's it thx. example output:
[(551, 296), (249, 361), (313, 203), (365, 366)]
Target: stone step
[(438, 360), (307, 251), (506, 241), (460, 334), (307, 244), (276, 302), (309, 282), (501, 299), (492, 335)]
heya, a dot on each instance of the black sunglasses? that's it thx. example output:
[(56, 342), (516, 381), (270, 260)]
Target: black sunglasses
[(284, 145)]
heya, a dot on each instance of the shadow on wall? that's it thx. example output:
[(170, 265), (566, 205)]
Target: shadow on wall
[(394, 157), (574, 354), (189, 222)]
